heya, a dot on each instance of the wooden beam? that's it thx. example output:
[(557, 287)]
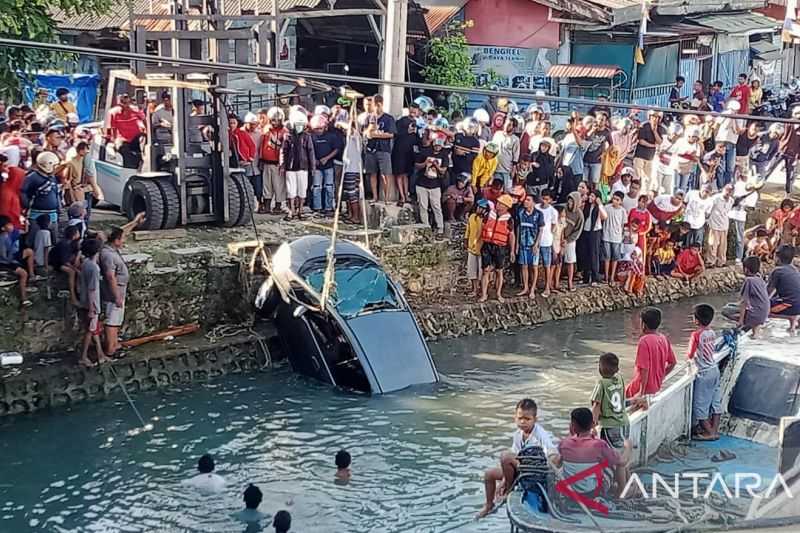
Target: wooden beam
[(317, 13), (244, 34)]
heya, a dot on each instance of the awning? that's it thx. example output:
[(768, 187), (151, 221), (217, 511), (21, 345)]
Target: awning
[(583, 71), (741, 23), (765, 51), (438, 16)]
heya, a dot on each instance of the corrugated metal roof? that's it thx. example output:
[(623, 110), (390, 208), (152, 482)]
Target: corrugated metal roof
[(438, 16), (582, 71), (765, 50), (617, 4), (741, 23)]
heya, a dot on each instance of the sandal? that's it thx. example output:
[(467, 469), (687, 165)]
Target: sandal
[(288, 218)]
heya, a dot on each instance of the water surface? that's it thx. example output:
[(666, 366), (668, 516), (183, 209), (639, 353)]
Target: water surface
[(418, 456)]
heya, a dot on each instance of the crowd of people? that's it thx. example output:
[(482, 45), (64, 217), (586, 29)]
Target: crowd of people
[(598, 431)]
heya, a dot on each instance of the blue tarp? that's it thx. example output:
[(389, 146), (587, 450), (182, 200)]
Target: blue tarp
[(82, 90)]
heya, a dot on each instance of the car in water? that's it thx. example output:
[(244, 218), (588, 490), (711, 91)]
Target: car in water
[(365, 338)]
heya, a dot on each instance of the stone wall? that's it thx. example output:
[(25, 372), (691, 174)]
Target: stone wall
[(188, 360), (474, 318)]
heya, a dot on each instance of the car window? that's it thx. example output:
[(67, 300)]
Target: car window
[(359, 287)]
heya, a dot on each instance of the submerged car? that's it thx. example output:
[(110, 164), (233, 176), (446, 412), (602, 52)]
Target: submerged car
[(365, 338)]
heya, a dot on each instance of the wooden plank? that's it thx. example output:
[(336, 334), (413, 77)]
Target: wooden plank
[(316, 13), (152, 235)]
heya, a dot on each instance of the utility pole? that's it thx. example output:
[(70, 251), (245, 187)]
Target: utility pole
[(394, 54)]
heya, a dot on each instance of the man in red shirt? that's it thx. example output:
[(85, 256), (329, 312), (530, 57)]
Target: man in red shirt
[(689, 263), (741, 93), (654, 357), (125, 125)]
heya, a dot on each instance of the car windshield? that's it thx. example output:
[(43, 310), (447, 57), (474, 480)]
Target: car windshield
[(359, 287)]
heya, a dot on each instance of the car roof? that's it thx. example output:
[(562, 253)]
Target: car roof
[(313, 247)]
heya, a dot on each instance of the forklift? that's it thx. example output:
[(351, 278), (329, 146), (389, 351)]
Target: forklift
[(187, 175)]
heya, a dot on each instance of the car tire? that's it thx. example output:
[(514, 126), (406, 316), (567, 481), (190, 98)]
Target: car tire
[(234, 204), (172, 203), (248, 198), (145, 195)]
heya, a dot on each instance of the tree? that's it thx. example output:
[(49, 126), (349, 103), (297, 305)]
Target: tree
[(32, 20)]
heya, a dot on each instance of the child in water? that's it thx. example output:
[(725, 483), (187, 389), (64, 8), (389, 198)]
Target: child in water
[(528, 434), (343, 474)]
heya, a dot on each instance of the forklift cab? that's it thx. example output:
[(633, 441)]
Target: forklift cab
[(184, 176)]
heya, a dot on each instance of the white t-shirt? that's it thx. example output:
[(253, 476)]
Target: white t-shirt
[(727, 129), (718, 216), (619, 186), (697, 209), (614, 225), (206, 483), (42, 241), (680, 150), (550, 216), (538, 437), (629, 203)]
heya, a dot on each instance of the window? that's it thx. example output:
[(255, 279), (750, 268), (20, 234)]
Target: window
[(766, 390)]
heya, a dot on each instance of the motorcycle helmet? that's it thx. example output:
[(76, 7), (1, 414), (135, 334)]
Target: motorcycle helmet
[(298, 121), (275, 113), (776, 129), (441, 123), (424, 103), (299, 109), (532, 108), (675, 129), (512, 108), (322, 110), (250, 118), (470, 126), (47, 162), (492, 148), (733, 105), (318, 122), (482, 116)]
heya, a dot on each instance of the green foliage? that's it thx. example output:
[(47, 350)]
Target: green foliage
[(449, 61), (32, 20)]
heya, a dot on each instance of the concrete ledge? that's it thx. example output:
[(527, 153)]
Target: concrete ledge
[(459, 320), (60, 381)]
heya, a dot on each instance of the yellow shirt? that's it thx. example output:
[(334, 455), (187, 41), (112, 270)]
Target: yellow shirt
[(483, 170), (473, 234), (62, 109)]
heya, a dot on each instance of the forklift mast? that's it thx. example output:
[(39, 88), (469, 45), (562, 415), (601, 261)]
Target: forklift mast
[(209, 190)]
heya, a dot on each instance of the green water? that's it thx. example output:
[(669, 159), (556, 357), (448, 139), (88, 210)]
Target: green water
[(418, 456)]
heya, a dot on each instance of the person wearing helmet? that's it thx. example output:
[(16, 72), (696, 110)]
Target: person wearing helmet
[(423, 103), (298, 160), (379, 133), (458, 198), (484, 131), (483, 168), (274, 182), (62, 106), (686, 152), (326, 146), (508, 156), (472, 241), (728, 131), (649, 139), (466, 147), (40, 188), (432, 164), (405, 143), (765, 149), (623, 184), (323, 110), (788, 151), (251, 168), (741, 93)]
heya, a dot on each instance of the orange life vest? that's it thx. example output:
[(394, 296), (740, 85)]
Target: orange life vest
[(495, 229)]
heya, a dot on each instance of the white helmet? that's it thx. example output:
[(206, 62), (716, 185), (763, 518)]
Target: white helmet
[(47, 162), (275, 113), (482, 116), (733, 105), (72, 118), (675, 129), (298, 121), (532, 108), (318, 122), (776, 128), (322, 110), (470, 125), (250, 118)]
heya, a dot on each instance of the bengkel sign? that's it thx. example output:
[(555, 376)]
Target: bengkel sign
[(660, 486)]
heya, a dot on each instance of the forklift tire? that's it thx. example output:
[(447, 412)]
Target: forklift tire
[(172, 203), (234, 204), (248, 197), (145, 195)]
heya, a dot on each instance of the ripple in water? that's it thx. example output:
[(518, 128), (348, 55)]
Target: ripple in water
[(418, 456)]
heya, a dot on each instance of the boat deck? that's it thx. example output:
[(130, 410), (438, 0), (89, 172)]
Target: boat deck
[(715, 503)]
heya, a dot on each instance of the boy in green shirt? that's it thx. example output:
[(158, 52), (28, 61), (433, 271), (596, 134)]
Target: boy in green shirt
[(608, 402)]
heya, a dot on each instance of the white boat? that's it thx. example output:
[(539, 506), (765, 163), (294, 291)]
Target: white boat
[(682, 485)]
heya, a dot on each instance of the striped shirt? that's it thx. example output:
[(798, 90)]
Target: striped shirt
[(702, 347)]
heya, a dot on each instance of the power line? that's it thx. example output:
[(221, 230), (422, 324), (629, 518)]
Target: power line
[(300, 75)]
